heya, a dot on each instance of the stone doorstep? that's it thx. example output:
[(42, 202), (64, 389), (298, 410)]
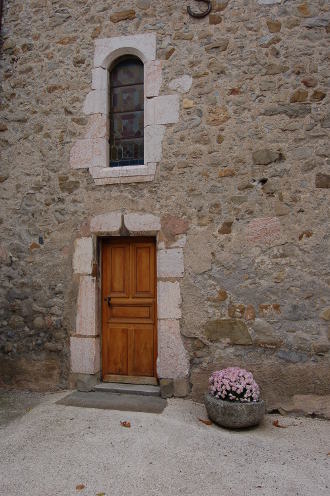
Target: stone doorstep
[(137, 389), (114, 401)]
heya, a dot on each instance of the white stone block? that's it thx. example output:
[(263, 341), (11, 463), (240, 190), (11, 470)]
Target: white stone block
[(87, 153), (83, 256), (153, 138), (123, 180), (100, 154), (85, 355), (98, 126), (96, 102), (173, 361), (169, 300), (161, 110), (170, 263), (81, 154), (152, 78), (180, 241), (142, 224), (86, 320), (120, 175), (108, 224), (100, 79), (181, 84), (109, 49)]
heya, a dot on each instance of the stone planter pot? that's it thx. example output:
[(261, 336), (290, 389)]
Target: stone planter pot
[(234, 415)]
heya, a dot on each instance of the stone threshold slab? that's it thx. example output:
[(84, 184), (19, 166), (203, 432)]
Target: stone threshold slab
[(114, 401), (140, 389)]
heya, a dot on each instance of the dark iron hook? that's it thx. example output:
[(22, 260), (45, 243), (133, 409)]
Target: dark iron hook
[(199, 15)]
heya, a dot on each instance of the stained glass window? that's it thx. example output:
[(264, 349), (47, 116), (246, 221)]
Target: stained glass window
[(127, 113)]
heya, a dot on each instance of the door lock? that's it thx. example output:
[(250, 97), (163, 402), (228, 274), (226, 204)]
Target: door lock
[(108, 300)]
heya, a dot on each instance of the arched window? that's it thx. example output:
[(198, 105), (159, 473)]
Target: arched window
[(127, 112)]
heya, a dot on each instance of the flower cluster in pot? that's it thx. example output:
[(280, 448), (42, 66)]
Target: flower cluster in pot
[(234, 384)]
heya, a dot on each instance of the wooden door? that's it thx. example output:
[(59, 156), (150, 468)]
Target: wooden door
[(129, 337)]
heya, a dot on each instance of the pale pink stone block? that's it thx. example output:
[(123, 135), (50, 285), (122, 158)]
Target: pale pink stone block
[(263, 230), (85, 355), (123, 180), (162, 110), (169, 300), (153, 138), (98, 126), (181, 84), (87, 153), (109, 223), (83, 256), (86, 320), (173, 359), (170, 263), (96, 102), (152, 78), (123, 172), (100, 153), (142, 224), (81, 154), (100, 79)]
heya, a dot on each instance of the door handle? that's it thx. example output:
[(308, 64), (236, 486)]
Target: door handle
[(108, 300)]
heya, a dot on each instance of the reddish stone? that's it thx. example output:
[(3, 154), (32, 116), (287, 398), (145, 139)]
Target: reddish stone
[(250, 313), (309, 82), (304, 10), (305, 234), (215, 19), (269, 308), (226, 172), (124, 15), (225, 228), (34, 246), (67, 40), (173, 226), (299, 96), (263, 230), (222, 295), (234, 91), (274, 26), (318, 95)]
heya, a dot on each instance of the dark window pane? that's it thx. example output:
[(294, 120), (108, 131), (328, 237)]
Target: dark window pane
[(127, 113)]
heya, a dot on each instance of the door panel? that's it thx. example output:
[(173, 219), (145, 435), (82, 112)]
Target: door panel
[(142, 351), (143, 273), (129, 338), (115, 343), (119, 276), (131, 313)]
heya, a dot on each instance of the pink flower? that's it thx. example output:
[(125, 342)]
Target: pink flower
[(234, 384)]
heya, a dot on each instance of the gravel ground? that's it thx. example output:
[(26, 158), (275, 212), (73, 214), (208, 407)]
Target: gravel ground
[(51, 449)]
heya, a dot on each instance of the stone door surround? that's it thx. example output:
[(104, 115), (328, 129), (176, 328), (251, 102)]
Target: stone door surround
[(172, 361), (92, 151)]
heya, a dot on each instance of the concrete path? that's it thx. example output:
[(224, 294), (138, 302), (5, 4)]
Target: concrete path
[(52, 449)]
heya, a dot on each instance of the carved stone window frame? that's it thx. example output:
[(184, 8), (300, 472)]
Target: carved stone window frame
[(92, 151)]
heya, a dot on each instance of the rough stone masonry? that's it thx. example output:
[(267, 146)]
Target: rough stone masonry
[(244, 174)]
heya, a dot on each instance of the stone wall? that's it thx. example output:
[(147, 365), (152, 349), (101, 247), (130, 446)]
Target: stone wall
[(244, 173)]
